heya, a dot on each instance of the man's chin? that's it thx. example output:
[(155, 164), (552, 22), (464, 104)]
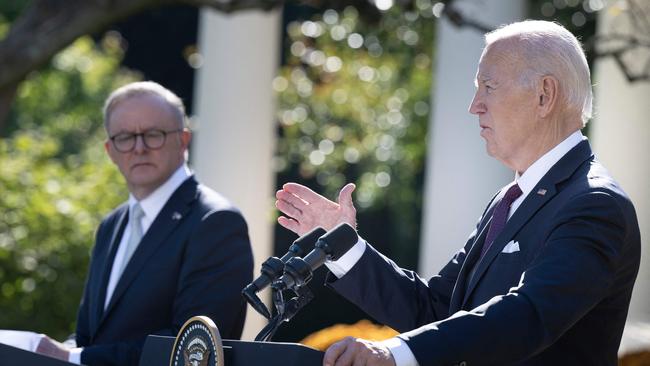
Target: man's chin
[(141, 188), (143, 180), (489, 150)]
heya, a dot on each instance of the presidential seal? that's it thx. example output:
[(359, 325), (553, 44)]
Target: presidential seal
[(198, 343)]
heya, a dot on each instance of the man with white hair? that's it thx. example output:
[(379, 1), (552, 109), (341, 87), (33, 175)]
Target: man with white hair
[(546, 276), (174, 250)]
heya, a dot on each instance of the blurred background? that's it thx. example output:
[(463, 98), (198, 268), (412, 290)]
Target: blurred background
[(318, 92)]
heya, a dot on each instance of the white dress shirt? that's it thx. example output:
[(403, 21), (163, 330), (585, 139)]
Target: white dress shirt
[(151, 205), (527, 181)]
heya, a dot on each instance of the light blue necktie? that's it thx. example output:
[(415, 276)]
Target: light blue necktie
[(135, 216)]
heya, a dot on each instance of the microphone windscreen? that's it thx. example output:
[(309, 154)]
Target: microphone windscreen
[(303, 244), (339, 240), (306, 242)]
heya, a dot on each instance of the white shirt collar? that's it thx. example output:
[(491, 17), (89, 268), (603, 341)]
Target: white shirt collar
[(535, 172), (153, 203)]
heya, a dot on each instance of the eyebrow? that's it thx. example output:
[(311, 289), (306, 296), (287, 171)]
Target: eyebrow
[(123, 130), (481, 79)]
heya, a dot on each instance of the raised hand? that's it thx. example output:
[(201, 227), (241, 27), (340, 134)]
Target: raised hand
[(306, 209)]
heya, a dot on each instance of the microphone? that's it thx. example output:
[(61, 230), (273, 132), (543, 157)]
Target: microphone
[(331, 246), (273, 267)]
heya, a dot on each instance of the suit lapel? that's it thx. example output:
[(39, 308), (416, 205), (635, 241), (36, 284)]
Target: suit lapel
[(525, 212), (561, 171), (107, 265), (165, 223), (471, 258)]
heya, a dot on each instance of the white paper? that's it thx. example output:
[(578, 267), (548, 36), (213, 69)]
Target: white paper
[(21, 339), (636, 338)]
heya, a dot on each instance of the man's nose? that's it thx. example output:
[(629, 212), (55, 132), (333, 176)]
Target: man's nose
[(476, 106), (140, 147)]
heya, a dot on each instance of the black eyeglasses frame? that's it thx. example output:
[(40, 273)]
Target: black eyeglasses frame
[(144, 140)]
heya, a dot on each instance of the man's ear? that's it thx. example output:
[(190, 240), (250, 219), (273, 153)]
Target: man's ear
[(186, 137), (109, 149), (548, 95)]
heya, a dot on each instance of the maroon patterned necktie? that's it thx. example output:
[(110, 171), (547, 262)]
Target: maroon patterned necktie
[(500, 216)]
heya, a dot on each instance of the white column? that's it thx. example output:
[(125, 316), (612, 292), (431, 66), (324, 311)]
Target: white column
[(235, 129), (460, 177), (620, 134)]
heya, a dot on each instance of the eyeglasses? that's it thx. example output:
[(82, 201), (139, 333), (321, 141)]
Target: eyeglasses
[(152, 139)]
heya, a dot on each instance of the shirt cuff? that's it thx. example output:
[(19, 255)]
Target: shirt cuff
[(344, 264), (75, 356), (401, 352)]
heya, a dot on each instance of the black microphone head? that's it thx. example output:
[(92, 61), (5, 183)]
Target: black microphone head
[(304, 244), (249, 293), (338, 241)]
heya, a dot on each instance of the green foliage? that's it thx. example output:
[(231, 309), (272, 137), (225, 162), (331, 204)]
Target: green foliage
[(65, 100), (50, 209), (353, 106), (56, 185)]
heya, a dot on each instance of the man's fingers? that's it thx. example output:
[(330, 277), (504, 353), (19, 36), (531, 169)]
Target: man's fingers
[(310, 209), (345, 195), (358, 352), (335, 351), (288, 209), (346, 206), (349, 357), (360, 361), (49, 347), (291, 198), (290, 224), (303, 192)]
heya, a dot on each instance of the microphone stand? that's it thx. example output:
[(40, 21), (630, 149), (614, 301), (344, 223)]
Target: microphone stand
[(285, 310), (297, 273)]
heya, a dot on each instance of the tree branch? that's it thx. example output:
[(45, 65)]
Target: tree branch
[(7, 96), (460, 20), (232, 6), (47, 26)]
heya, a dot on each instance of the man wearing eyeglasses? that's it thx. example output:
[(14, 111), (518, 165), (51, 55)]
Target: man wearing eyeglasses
[(175, 249)]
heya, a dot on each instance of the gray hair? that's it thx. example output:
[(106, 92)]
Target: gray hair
[(141, 88), (550, 49)]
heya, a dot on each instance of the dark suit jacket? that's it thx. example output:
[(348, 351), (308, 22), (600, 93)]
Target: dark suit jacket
[(194, 260), (562, 299)]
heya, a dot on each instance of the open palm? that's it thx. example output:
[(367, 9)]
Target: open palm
[(306, 209)]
